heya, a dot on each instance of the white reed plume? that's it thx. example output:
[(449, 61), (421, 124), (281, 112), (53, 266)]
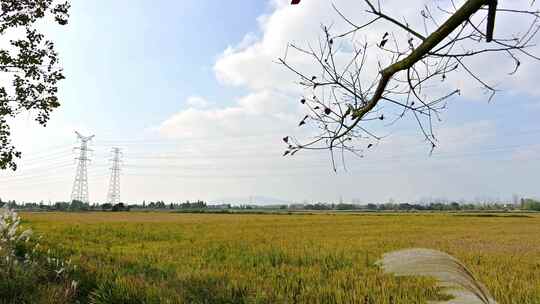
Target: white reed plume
[(10, 233), (449, 272)]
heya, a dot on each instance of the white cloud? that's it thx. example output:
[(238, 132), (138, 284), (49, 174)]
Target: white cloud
[(197, 102), (242, 65), (401, 162), (262, 112)]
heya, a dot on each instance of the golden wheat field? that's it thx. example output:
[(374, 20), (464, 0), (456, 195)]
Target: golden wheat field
[(156, 257)]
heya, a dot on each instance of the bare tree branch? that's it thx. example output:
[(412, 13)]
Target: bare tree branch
[(345, 106)]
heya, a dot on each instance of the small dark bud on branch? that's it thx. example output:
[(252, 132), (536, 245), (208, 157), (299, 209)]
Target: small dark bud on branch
[(303, 122)]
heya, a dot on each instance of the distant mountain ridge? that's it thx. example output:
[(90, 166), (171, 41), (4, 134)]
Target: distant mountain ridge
[(250, 200)]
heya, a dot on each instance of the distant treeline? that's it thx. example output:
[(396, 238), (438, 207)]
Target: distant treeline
[(81, 206), (526, 204)]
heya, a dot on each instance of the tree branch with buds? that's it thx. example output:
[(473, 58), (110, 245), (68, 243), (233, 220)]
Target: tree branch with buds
[(343, 106)]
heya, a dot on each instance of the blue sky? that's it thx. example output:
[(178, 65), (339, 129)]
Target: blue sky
[(190, 92), (132, 57)]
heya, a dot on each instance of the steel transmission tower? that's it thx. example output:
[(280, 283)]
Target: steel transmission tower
[(113, 196), (80, 185)]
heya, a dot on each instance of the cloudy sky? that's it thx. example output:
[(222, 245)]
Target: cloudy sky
[(191, 92)]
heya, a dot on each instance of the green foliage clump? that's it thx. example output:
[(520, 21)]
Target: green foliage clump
[(29, 65), (530, 204)]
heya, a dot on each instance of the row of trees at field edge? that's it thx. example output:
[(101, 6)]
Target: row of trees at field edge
[(527, 204), (81, 206)]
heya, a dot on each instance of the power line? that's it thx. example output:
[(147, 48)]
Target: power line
[(51, 181), (43, 175), (38, 173), (51, 156), (294, 165)]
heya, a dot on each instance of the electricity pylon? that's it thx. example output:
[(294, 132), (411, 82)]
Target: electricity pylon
[(113, 196), (79, 191)]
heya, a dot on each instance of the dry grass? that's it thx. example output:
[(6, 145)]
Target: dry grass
[(323, 258)]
